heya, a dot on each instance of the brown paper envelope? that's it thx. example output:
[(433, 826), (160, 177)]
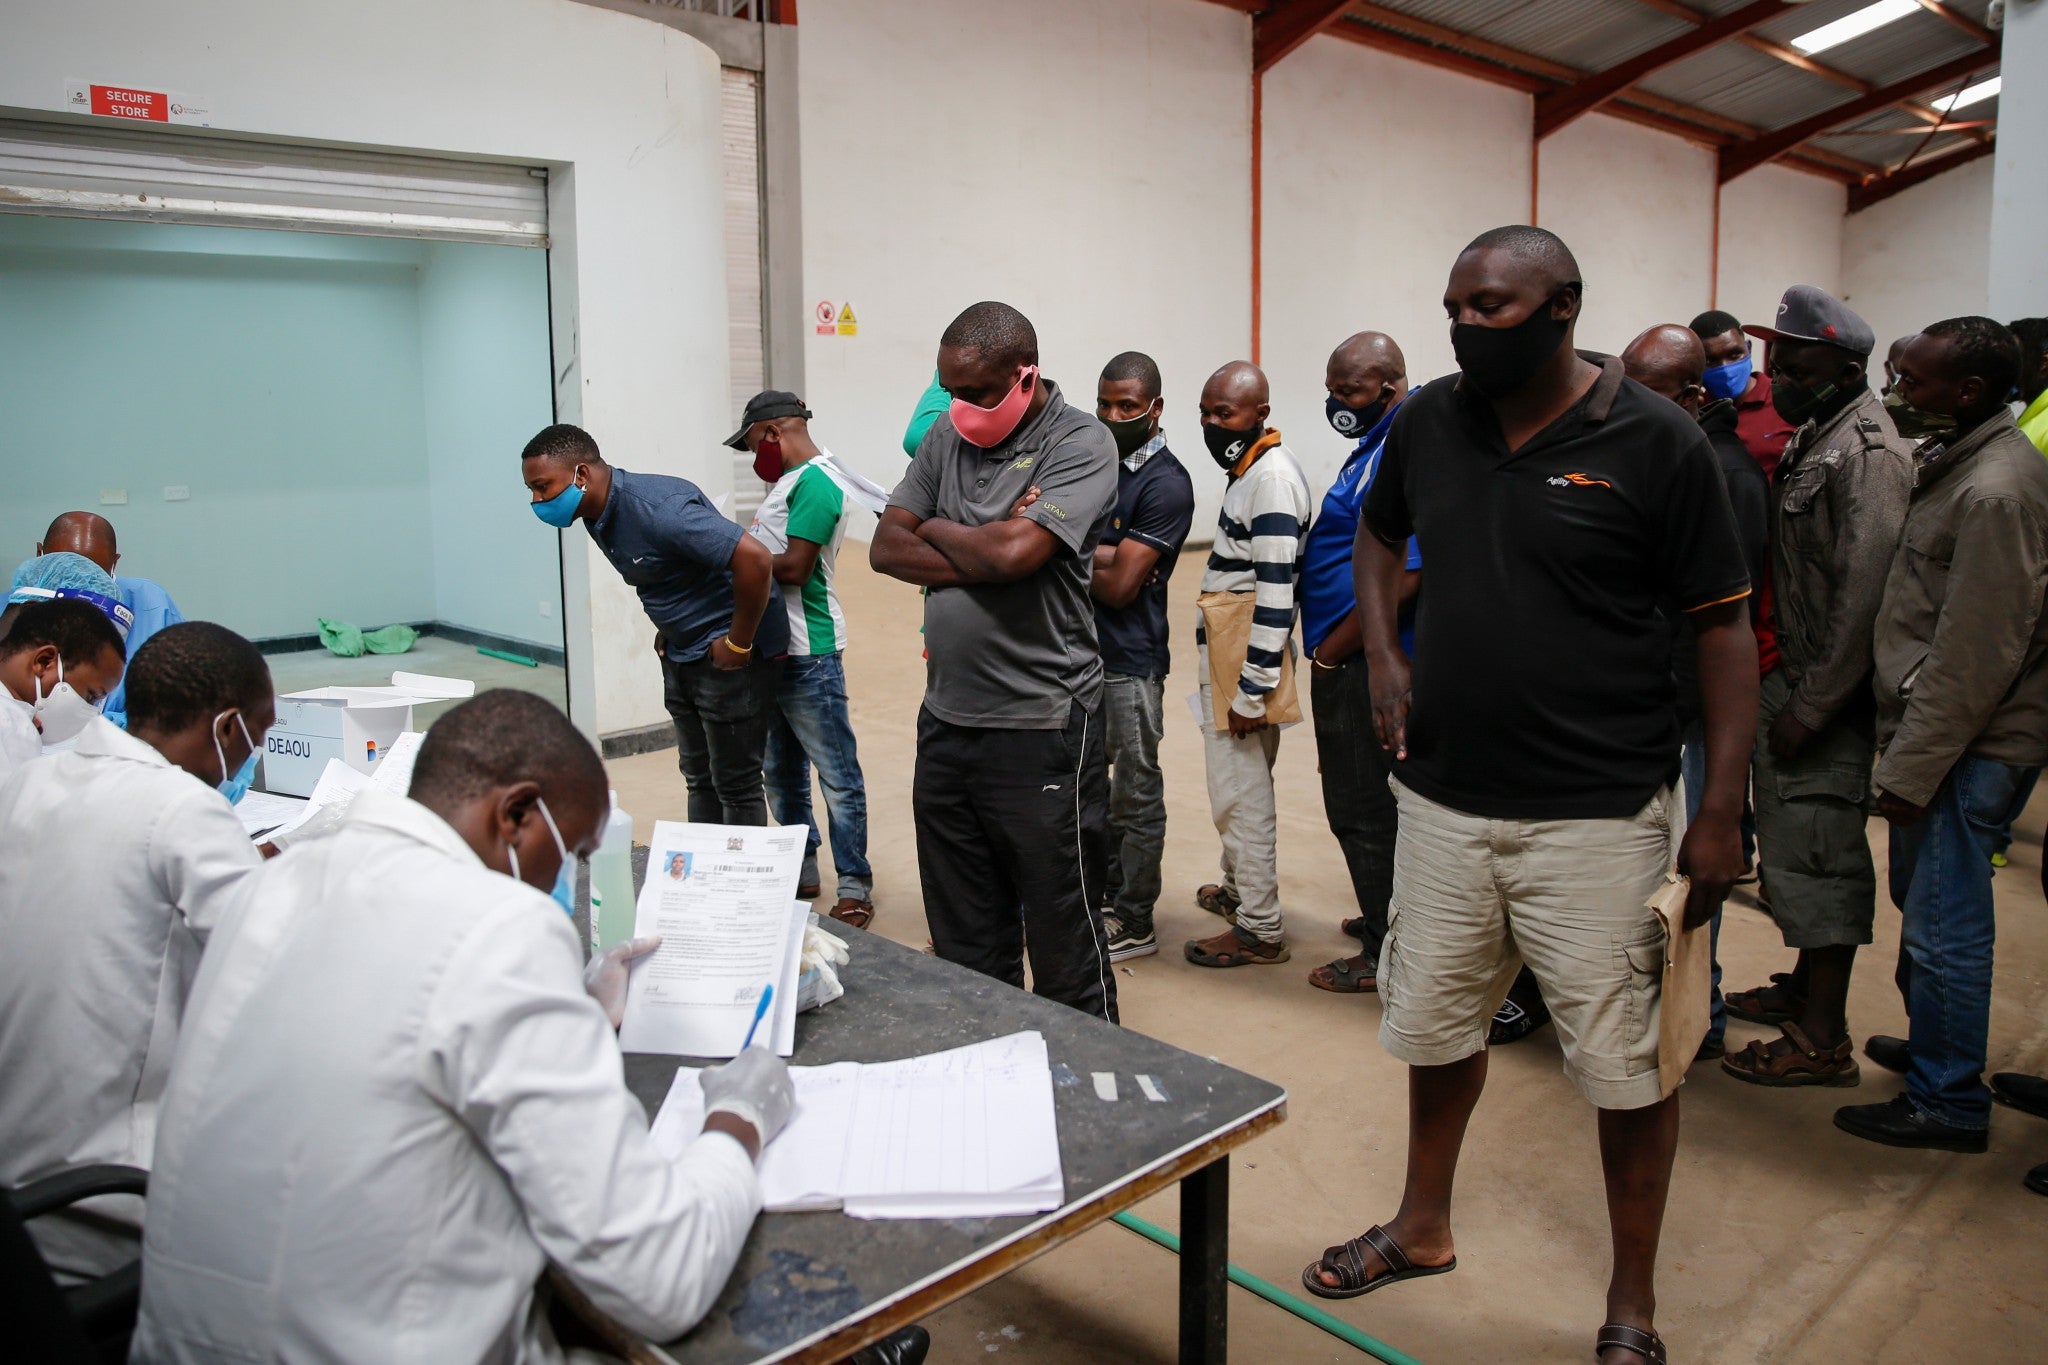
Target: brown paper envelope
[(1227, 622), (1688, 957)]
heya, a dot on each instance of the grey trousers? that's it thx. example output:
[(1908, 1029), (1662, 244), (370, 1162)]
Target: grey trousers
[(1133, 713)]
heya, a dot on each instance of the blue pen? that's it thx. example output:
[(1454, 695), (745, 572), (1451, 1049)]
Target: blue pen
[(760, 1009)]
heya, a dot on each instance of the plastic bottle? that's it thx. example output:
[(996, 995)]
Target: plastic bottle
[(611, 882)]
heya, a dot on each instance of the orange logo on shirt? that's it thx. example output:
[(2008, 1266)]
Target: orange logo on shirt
[(1578, 481)]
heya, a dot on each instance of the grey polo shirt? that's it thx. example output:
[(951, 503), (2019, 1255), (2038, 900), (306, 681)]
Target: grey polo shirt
[(1016, 656)]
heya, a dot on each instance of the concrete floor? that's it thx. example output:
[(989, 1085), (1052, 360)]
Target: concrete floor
[(308, 668), (1786, 1240)]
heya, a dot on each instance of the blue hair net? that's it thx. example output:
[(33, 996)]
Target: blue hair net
[(68, 575)]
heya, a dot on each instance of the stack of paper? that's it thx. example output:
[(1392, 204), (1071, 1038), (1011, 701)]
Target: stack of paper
[(723, 899), (968, 1133)]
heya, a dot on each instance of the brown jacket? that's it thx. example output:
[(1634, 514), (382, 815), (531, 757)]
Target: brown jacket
[(1962, 641), (1838, 502)]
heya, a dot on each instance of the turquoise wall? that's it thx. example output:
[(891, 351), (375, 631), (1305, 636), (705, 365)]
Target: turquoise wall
[(305, 389)]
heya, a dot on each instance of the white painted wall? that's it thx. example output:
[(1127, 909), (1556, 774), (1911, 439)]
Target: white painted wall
[(1921, 256), (1779, 227), (1636, 206), (1377, 170), (623, 110), (2018, 276), (1086, 162)]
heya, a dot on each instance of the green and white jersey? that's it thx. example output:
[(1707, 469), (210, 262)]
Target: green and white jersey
[(810, 503)]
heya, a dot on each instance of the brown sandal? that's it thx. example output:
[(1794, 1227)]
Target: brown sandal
[(1794, 1060), (1648, 1345), (1347, 1263), (1233, 948), (1776, 1003), (1347, 975), (1218, 900), (855, 914)]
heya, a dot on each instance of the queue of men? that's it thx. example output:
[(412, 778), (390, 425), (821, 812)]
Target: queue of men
[(1667, 593)]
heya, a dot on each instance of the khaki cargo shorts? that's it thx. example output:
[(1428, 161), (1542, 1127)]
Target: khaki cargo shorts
[(1476, 898)]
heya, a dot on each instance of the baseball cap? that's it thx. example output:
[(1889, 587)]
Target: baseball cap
[(766, 406), (1809, 313)]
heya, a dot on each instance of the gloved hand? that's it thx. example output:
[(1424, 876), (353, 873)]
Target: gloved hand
[(754, 1088), (604, 976), (313, 826)]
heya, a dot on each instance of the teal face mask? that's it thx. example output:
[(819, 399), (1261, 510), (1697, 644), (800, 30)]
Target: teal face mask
[(560, 510), (236, 785)]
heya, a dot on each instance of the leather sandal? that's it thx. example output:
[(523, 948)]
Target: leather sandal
[(1794, 1060), (1218, 900), (1234, 948), (1648, 1345), (1347, 1263), (855, 914), (1776, 1003), (1347, 975)]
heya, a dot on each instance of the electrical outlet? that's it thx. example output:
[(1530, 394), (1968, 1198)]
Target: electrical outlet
[(547, 609), (113, 497), (176, 492)]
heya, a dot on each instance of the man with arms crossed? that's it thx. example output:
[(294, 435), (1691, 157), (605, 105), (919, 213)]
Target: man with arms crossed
[(999, 517), (1559, 506)]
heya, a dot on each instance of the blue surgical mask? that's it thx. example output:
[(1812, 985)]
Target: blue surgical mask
[(1730, 380), (560, 510), (234, 786), (565, 881)]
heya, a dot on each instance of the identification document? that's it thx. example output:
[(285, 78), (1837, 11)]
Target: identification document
[(720, 896)]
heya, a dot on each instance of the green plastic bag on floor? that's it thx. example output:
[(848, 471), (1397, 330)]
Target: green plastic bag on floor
[(351, 642)]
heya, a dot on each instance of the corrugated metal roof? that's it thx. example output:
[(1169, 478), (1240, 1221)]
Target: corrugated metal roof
[(1732, 79)]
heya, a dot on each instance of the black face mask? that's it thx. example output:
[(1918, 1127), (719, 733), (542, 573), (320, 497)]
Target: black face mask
[(1499, 360), (1349, 422), (1227, 447), (1797, 405), (1130, 433)]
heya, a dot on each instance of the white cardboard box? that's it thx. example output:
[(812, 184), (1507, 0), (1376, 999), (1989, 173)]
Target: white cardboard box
[(357, 725)]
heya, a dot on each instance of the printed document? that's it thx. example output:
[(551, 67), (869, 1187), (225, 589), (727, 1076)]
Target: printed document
[(968, 1133), (721, 898)]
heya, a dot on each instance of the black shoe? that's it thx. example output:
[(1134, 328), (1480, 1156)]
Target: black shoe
[(1888, 1052), (904, 1346), (1512, 1023), (1711, 1050), (2037, 1179), (2028, 1094), (1898, 1122)]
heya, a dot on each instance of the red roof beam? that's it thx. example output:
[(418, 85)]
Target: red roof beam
[(1285, 27), (1745, 156), (1560, 107)]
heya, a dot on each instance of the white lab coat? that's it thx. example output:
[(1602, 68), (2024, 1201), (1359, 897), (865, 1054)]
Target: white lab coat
[(116, 867), (395, 1103), (20, 741)]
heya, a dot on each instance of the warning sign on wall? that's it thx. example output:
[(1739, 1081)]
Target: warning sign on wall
[(826, 315), (134, 104), (849, 325)]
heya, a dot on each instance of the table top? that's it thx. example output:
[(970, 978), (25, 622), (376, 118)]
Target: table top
[(803, 1276)]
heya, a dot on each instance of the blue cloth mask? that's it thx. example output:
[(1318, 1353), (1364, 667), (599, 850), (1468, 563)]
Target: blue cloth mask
[(1730, 380), (1352, 423), (560, 510)]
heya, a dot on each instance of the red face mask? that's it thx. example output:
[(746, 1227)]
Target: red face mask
[(768, 460), (990, 427)]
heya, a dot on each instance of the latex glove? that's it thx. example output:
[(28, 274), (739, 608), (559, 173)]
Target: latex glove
[(604, 976), (754, 1088), (313, 826), (821, 949)]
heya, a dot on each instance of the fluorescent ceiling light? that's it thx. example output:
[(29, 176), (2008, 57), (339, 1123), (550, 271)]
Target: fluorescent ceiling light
[(1865, 20), (1969, 94)]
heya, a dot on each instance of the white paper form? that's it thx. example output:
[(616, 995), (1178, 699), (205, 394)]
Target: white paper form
[(338, 782), (263, 812), (394, 770), (721, 898), (801, 1170)]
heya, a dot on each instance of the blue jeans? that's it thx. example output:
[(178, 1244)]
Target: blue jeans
[(1941, 882), (810, 726)]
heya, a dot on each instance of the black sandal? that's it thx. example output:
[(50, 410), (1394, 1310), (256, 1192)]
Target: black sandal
[(1648, 1345), (1347, 1263)]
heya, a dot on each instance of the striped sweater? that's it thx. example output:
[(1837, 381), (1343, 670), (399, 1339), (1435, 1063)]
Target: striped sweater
[(1259, 538)]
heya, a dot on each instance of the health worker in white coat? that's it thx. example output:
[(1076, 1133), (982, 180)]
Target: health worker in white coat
[(119, 855), (397, 1100), (58, 662)]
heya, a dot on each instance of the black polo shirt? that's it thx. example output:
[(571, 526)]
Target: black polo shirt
[(1542, 682), (1155, 505)]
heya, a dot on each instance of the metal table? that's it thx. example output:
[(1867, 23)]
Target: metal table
[(818, 1286)]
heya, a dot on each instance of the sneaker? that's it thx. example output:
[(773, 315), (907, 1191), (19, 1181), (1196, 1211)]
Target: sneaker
[(1127, 942), (1512, 1023)]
